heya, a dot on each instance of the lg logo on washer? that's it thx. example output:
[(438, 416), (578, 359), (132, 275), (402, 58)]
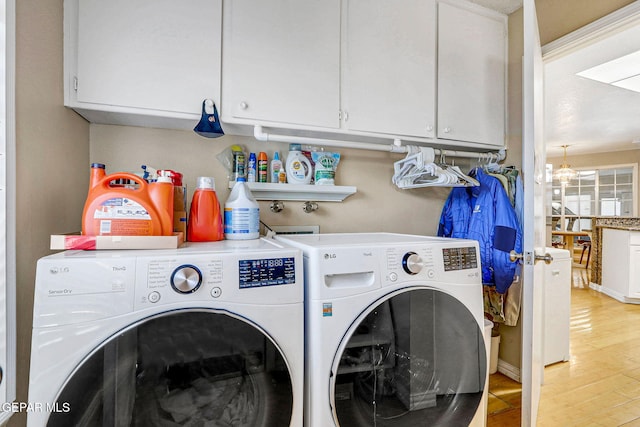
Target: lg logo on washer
[(330, 256)]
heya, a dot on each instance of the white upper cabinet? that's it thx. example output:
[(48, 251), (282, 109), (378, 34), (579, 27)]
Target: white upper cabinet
[(472, 58), (281, 62), (146, 62), (419, 70), (389, 67), (409, 69)]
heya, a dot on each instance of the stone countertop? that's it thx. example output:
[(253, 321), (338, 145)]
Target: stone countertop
[(622, 227)]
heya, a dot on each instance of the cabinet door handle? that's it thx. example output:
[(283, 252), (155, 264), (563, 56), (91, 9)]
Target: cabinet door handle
[(244, 105), (446, 130)]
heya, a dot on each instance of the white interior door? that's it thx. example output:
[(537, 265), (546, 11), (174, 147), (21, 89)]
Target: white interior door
[(533, 162)]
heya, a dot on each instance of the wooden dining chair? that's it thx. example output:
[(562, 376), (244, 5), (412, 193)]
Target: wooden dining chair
[(586, 247)]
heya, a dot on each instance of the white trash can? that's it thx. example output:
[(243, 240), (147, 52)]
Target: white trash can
[(488, 327), (495, 348)]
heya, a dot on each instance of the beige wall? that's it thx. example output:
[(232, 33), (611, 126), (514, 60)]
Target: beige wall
[(511, 337), (52, 149), (377, 205)]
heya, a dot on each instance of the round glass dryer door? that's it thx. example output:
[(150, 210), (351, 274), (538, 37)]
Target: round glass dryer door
[(186, 367), (414, 358)]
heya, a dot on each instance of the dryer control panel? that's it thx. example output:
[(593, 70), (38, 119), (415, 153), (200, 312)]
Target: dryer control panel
[(448, 261)]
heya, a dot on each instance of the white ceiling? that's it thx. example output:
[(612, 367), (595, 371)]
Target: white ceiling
[(504, 6), (587, 115)]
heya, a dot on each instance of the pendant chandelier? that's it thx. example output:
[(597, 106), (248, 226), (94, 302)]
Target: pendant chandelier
[(565, 173)]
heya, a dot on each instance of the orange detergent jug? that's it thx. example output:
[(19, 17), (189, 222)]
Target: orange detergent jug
[(205, 220), (138, 209)]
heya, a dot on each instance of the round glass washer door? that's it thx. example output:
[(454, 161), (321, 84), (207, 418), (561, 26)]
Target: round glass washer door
[(415, 357), (187, 367)]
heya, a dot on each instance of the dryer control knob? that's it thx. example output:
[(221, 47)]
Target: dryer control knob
[(186, 279), (412, 263)]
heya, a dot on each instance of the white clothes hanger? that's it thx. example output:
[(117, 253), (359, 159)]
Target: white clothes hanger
[(420, 170)]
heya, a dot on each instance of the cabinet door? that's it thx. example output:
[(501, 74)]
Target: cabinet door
[(634, 271), (157, 56), (389, 75), (617, 264), (471, 74), (281, 61)]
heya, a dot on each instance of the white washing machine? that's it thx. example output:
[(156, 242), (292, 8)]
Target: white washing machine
[(208, 334), (394, 331)]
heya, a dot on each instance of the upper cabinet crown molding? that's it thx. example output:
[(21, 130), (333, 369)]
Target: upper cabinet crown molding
[(144, 63)]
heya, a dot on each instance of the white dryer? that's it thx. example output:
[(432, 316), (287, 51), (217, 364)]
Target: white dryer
[(208, 334), (394, 331)]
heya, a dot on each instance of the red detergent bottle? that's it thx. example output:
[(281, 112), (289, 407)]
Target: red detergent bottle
[(205, 220)]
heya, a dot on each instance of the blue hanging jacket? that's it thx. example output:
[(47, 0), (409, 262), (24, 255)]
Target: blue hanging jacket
[(485, 214)]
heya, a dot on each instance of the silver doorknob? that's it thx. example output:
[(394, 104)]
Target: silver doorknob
[(514, 256)]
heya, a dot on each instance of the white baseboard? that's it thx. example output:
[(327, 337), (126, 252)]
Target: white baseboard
[(509, 370)]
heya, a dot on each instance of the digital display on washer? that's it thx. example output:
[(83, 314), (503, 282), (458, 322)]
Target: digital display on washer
[(266, 272), (459, 258)]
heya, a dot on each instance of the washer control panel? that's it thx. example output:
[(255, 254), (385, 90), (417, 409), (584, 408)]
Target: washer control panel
[(82, 286), (266, 272), (246, 279)]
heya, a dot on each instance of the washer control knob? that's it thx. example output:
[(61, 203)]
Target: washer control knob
[(412, 263), (186, 279)]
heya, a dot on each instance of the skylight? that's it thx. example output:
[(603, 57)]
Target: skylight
[(622, 72)]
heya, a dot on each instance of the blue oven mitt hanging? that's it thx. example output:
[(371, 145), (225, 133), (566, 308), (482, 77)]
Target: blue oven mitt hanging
[(209, 124)]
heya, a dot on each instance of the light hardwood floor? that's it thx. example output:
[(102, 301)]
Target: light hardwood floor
[(600, 384)]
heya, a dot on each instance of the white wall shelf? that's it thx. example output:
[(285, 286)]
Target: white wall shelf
[(299, 192)]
